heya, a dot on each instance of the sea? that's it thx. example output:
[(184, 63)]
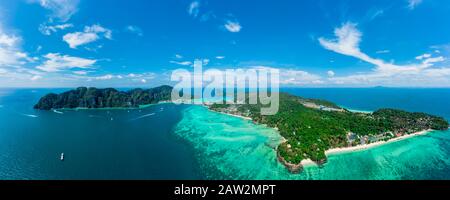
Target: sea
[(189, 142)]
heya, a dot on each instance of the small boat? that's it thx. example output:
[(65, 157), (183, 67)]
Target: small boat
[(57, 111), (62, 157)]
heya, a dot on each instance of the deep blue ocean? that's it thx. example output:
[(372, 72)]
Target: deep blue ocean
[(432, 101), (167, 141), (97, 144)]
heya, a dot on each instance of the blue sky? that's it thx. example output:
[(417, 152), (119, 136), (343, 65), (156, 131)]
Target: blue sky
[(314, 43)]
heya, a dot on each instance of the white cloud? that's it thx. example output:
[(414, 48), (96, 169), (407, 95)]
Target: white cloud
[(94, 48), (294, 77), (430, 61), (298, 77), (105, 77), (48, 30), (441, 49), (220, 57), (205, 61), (194, 8), (76, 39), (61, 9), (135, 29), (8, 40), (36, 77), (178, 56), (383, 51), (184, 63), (124, 77), (90, 34), (413, 3), (3, 71), (233, 26), (81, 72), (376, 13), (330, 73), (98, 29), (347, 43), (421, 57), (10, 51), (56, 62), (119, 79)]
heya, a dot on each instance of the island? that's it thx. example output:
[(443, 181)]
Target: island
[(91, 97), (309, 127)]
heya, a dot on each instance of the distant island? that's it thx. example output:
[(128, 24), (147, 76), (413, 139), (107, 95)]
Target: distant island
[(310, 127), (91, 97)]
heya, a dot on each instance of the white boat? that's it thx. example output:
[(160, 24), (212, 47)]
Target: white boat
[(57, 111), (62, 157)]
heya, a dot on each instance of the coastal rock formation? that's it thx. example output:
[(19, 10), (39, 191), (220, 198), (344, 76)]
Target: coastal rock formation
[(83, 97), (293, 168)]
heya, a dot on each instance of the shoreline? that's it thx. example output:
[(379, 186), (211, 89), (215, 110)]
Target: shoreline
[(229, 114), (344, 150), (335, 151), (356, 111), (298, 168), (113, 108), (283, 140)]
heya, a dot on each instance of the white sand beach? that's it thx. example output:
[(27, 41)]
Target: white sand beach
[(239, 116), (308, 162), (375, 144)]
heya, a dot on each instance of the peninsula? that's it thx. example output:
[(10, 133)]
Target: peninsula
[(310, 127), (313, 127)]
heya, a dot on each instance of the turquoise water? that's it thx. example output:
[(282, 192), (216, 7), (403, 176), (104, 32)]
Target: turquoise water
[(232, 148), (167, 141), (98, 144), (421, 157)]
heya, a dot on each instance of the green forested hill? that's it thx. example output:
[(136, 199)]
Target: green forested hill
[(103, 98)]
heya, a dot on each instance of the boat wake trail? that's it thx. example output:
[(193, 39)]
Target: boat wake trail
[(28, 115), (59, 112), (143, 116)]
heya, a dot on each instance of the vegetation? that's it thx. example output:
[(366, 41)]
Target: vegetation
[(103, 98), (310, 126), (311, 130)]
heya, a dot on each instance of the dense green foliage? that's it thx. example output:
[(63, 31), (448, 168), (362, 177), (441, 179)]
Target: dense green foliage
[(310, 131), (103, 98), (310, 126)]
